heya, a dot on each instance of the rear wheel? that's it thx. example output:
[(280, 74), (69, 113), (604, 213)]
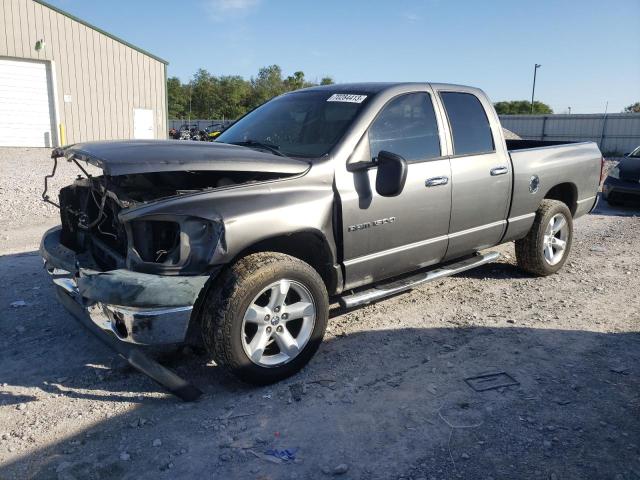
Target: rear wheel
[(265, 317), (546, 247)]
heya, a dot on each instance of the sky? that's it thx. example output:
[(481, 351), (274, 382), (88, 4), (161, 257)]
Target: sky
[(589, 50)]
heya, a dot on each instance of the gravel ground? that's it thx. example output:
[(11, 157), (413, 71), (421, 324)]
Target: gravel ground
[(22, 183), (385, 397)]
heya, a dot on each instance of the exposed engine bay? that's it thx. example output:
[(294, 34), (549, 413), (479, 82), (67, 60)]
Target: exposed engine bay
[(105, 219), (144, 187), (90, 209)]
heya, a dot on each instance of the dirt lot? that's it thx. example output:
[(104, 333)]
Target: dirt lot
[(385, 397)]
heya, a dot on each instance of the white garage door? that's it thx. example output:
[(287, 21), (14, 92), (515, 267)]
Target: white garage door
[(26, 111)]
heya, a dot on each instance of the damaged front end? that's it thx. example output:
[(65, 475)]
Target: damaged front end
[(137, 279), (92, 217), (138, 271), (131, 257)]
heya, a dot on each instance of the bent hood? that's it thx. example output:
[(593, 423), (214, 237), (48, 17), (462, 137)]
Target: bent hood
[(146, 156)]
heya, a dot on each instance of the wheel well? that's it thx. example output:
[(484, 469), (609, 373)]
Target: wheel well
[(567, 193), (309, 247)]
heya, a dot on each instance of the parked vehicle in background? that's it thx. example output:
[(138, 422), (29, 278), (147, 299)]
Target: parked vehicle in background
[(622, 185), (190, 132), (215, 129), (345, 193)]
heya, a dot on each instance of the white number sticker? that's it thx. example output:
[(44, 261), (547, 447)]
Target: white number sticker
[(346, 97)]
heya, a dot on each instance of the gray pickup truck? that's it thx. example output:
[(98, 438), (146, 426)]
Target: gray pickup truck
[(341, 193)]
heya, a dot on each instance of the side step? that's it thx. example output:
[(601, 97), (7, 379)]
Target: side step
[(386, 289)]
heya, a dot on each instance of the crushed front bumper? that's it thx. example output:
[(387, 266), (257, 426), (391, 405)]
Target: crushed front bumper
[(136, 308)]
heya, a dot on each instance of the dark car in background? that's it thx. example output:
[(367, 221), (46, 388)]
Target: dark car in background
[(622, 186), (215, 129)]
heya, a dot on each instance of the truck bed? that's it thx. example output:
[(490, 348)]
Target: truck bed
[(571, 168), (525, 144)]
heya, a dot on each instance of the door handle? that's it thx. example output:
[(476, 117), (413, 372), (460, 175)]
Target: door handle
[(499, 171), (435, 181)]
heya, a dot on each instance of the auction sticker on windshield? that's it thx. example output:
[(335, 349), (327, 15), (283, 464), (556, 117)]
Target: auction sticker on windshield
[(346, 97)]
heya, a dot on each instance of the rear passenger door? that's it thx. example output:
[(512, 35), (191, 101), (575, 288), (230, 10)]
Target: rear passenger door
[(480, 174)]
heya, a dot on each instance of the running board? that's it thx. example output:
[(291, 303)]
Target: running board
[(386, 289)]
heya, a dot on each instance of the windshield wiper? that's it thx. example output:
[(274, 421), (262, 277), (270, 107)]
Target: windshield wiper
[(275, 149)]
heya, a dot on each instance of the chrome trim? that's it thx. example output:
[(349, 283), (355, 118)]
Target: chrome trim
[(585, 206), (421, 243), (586, 200), (67, 284), (401, 248), (502, 170), (385, 290), (142, 326), (55, 270), (521, 217), (477, 229), (435, 181), (133, 325), (131, 312)]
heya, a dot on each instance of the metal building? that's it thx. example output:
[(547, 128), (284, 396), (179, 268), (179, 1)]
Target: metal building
[(64, 81), (615, 133)]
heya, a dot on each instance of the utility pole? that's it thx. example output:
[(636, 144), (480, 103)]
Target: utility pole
[(533, 90), (190, 95), (604, 124)]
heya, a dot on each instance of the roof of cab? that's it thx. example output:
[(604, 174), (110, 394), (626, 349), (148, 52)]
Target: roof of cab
[(376, 87)]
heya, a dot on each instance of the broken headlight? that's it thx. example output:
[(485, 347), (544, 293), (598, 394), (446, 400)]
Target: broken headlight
[(176, 245), (156, 241)]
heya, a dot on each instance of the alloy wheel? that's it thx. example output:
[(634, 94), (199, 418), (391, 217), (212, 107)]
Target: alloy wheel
[(278, 323), (555, 239)]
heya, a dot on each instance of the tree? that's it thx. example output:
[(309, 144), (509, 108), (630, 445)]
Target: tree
[(229, 97), (521, 107), (178, 98), (233, 97), (266, 85), (203, 89), (295, 81), (635, 108)]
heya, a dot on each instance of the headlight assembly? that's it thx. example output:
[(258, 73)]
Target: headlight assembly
[(168, 245), (615, 173)]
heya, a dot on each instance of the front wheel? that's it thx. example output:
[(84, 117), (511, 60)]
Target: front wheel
[(265, 317), (546, 247)]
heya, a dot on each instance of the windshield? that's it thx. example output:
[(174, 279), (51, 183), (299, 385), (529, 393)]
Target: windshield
[(635, 153), (301, 124)]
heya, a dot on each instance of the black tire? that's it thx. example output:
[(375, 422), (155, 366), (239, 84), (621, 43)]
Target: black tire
[(530, 249), (230, 297)]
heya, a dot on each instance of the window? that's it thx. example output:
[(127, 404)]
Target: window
[(407, 126), (469, 124), (303, 124)]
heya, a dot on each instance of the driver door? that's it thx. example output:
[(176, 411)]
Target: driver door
[(387, 236)]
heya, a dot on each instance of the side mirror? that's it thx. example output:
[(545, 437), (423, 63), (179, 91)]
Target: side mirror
[(392, 174)]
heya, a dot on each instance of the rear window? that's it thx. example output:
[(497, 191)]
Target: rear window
[(469, 123)]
